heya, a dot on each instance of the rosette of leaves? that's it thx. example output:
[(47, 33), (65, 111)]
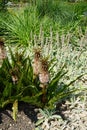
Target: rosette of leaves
[(46, 117), (16, 81), (57, 91), (50, 90)]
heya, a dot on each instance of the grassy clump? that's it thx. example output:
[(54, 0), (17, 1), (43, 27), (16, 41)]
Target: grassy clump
[(23, 23)]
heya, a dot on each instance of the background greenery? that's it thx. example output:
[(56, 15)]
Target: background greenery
[(20, 24), (60, 28)]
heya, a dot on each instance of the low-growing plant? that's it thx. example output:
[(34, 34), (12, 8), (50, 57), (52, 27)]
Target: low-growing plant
[(20, 24), (18, 83), (16, 79), (46, 117)]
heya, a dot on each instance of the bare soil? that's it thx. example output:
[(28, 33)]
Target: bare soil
[(73, 115), (25, 119)]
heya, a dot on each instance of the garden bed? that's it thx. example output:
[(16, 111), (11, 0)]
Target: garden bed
[(73, 117), (43, 60)]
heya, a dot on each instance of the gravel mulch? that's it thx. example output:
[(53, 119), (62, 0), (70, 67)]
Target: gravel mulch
[(73, 118)]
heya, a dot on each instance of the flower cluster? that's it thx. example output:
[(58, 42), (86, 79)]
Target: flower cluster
[(40, 66)]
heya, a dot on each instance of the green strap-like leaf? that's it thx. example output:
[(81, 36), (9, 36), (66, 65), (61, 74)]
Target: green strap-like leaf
[(15, 109), (33, 99)]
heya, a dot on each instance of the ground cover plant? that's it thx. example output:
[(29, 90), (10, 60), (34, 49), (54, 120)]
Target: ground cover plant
[(46, 58)]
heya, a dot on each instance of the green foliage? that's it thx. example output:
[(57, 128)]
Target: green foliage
[(56, 10), (12, 78), (63, 12), (15, 109), (29, 27), (3, 5), (19, 25), (17, 83), (22, 25), (47, 116), (3, 15)]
